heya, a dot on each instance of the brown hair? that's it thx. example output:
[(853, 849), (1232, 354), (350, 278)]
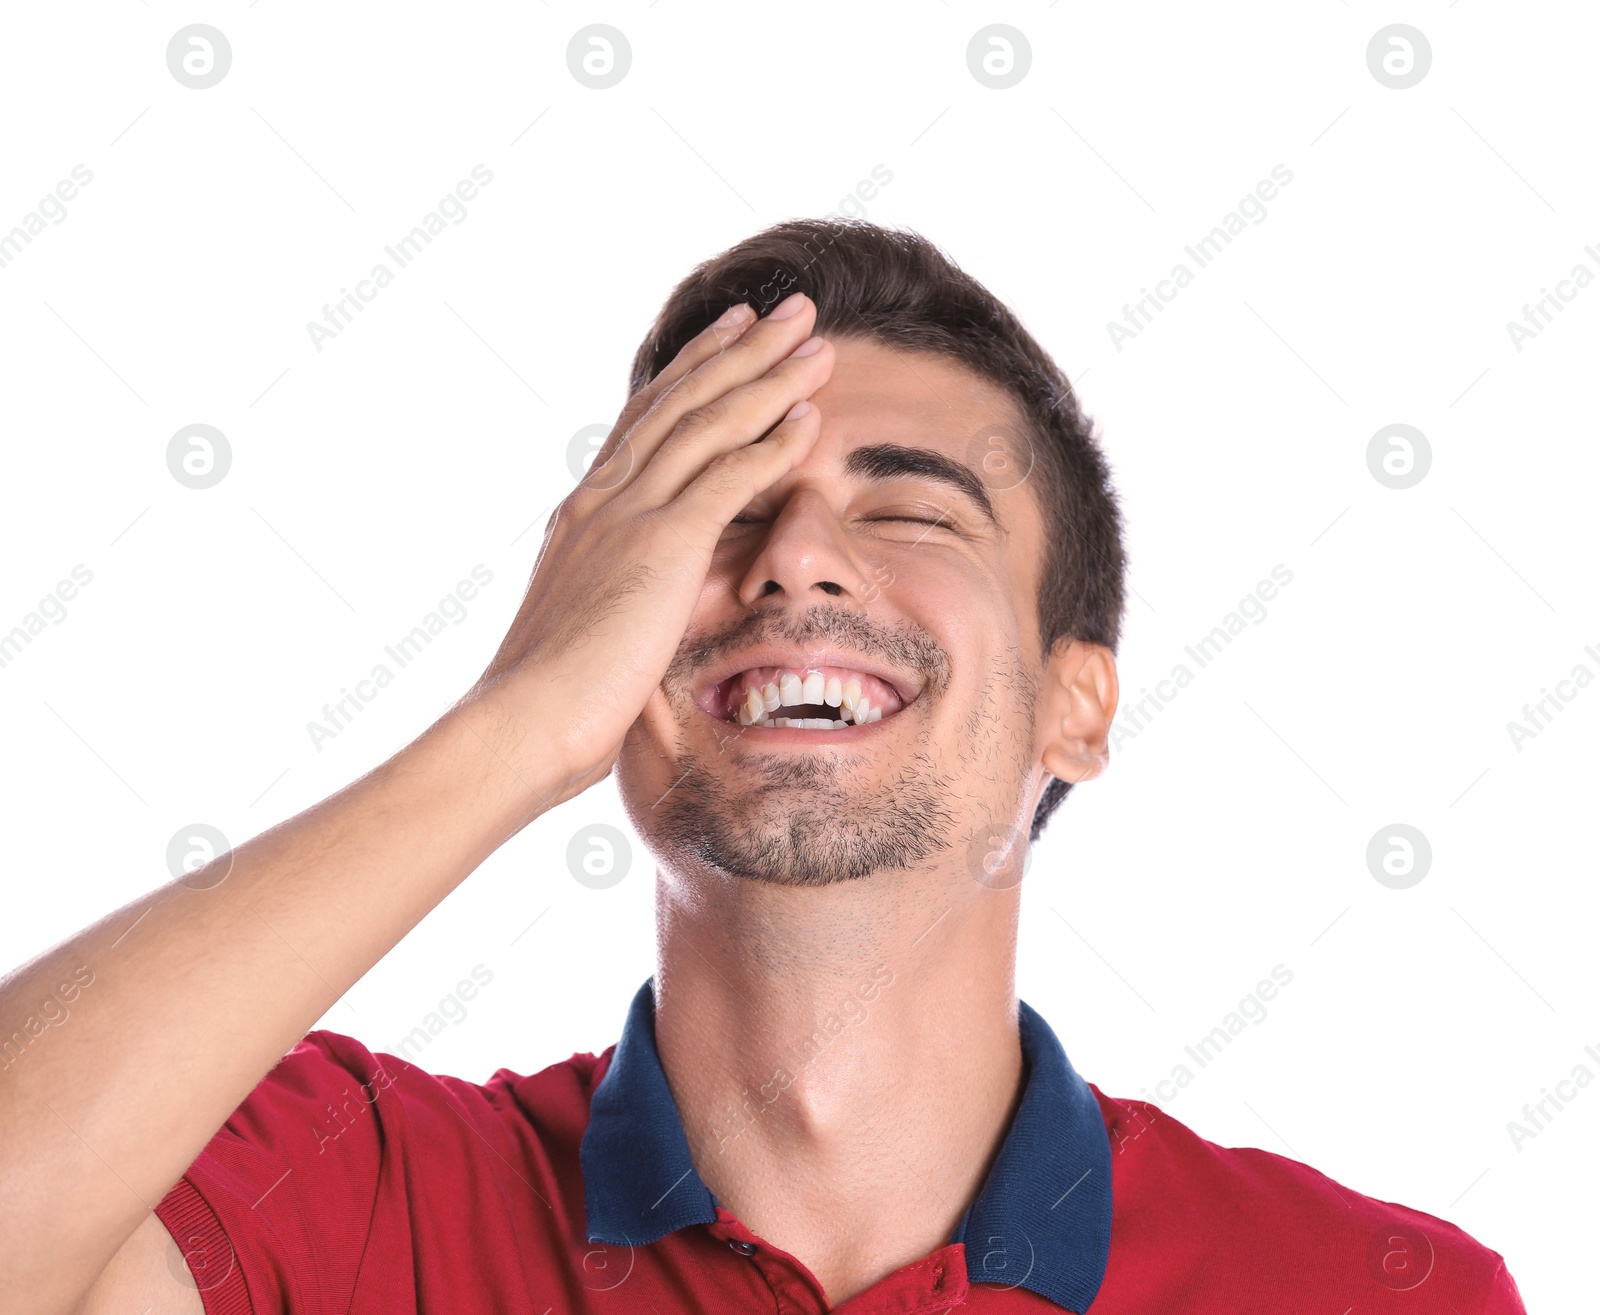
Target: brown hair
[(899, 288)]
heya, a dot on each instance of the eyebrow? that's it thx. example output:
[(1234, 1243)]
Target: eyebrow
[(896, 461)]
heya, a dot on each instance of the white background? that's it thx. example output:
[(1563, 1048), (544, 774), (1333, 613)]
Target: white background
[(430, 436)]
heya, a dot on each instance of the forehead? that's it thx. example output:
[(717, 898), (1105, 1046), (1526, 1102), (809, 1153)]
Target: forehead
[(909, 391)]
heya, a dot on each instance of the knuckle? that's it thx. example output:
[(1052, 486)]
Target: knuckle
[(706, 416), (721, 477), (677, 396), (636, 405)]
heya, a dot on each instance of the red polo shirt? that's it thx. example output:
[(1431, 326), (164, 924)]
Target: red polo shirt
[(353, 1183)]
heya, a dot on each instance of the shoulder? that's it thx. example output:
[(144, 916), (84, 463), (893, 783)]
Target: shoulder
[(342, 1160), (332, 1092), (1278, 1226), (327, 1067)]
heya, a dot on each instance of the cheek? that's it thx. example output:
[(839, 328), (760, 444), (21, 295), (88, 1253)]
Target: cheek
[(654, 731), (968, 606), (942, 588), (644, 757), (642, 771)]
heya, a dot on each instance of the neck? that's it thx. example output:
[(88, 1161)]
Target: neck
[(845, 1058)]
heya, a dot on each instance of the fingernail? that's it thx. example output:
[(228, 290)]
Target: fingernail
[(799, 410), (810, 347), (735, 314), (790, 305)]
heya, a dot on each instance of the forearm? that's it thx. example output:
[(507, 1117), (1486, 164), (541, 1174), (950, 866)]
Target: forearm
[(198, 989)]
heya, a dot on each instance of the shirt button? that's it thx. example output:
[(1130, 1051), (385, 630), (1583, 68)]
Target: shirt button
[(744, 1248)]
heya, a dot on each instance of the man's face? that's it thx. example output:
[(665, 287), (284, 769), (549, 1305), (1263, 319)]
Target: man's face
[(935, 613)]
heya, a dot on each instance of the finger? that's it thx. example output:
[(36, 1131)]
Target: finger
[(725, 487), (737, 419), (752, 354), (721, 333)]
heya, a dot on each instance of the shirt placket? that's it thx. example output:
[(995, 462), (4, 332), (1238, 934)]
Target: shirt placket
[(935, 1283)]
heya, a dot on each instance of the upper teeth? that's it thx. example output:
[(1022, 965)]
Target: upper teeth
[(793, 689)]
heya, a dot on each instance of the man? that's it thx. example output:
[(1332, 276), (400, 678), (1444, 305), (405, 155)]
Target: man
[(837, 601)]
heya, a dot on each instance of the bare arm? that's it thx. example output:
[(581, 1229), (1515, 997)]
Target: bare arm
[(101, 1116)]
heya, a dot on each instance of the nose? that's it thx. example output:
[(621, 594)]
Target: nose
[(805, 554)]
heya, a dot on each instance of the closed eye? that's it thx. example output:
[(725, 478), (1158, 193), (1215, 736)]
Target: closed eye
[(915, 520)]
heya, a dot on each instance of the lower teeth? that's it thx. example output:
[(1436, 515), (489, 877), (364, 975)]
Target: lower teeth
[(811, 723), (804, 723), (862, 715)]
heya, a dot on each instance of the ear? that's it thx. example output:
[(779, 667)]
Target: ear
[(1079, 702)]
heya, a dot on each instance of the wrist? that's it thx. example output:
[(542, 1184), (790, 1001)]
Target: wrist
[(508, 761)]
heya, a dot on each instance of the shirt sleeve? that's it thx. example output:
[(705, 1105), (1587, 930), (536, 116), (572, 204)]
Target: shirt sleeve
[(274, 1214), (1503, 1299)]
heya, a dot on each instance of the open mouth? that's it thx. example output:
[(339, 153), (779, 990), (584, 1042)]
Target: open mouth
[(817, 698)]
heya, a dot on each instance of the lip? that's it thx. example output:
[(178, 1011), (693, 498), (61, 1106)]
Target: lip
[(905, 685)]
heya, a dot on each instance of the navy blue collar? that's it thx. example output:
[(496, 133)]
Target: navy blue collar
[(1041, 1221)]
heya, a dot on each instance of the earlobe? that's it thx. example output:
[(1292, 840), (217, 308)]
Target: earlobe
[(1081, 701)]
